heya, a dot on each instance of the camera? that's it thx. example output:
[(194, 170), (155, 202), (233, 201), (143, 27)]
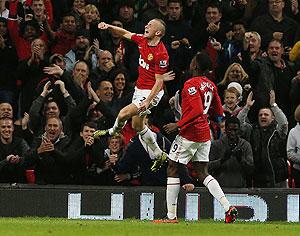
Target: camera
[(212, 39)]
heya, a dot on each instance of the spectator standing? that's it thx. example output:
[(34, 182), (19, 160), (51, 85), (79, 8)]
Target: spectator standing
[(62, 40), (123, 92), (231, 158), (49, 108), (213, 26), (8, 63), (104, 69), (232, 98), (48, 153), (13, 151), (75, 83), (23, 34), (159, 11), (276, 25), (268, 141), (30, 73), (234, 73), (178, 43), (293, 148), (82, 51), (77, 10), (270, 73), (85, 156)]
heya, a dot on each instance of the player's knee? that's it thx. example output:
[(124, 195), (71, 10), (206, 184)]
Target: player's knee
[(172, 170), (137, 127), (201, 169)]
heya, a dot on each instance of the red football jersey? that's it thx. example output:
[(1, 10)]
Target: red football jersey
[(199, 97), (153, 60)]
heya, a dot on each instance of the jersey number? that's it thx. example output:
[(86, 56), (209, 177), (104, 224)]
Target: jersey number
[(207, 101), (174, 148)]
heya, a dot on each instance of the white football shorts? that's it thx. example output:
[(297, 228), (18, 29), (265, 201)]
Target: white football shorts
[(183, 150), (141, 94)]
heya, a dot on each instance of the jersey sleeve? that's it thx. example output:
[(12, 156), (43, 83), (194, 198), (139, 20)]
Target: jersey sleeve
[(137, 38), (13, 24), (195, 107)]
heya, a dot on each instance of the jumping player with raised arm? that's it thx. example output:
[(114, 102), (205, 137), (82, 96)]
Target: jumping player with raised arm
[(153, 65), (199, 97)]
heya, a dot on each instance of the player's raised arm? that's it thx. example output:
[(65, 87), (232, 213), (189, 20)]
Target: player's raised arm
[(118, 30)]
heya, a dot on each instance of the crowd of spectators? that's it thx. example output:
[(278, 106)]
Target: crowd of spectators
[(61, 78)]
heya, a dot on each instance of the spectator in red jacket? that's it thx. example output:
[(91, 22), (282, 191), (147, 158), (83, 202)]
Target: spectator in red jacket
[(62, 40)]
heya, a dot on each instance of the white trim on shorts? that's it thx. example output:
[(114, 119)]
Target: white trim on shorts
[(184, 150), (141, 94)]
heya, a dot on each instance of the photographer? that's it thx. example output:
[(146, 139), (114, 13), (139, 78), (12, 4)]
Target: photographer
[(50, 107), (230, 158)]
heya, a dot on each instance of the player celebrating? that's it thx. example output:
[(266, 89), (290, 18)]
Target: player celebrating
[(153, 64), (199, 96)]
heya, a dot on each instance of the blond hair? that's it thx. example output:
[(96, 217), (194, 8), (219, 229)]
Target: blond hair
[(162, 27), (232, 90), (226, 75), (91, 7), (297, 113), (118, 137)]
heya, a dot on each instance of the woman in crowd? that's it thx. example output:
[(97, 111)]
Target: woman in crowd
[(234, 73), (122, 90)]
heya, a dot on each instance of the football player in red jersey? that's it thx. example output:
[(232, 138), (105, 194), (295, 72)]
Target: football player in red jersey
[(199, 97), (153, 65)]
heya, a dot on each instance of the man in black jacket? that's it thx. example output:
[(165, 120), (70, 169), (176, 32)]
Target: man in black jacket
[(268, 141), (85, 155), (12, 154), (49, 154)]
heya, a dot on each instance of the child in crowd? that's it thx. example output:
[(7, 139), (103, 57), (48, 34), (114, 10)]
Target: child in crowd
[(232, 97)]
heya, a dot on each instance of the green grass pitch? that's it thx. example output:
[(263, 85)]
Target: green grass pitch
[(63, 227)]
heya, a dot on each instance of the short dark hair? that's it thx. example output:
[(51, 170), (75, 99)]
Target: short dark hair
[(214, 4), (47, 101), (32, 23), (276, 40), (90, 124), (175, 1), (203, 61), (232, 120), (128, 3)]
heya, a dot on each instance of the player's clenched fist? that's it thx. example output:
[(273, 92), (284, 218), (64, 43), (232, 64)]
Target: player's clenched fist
[(103, 25)]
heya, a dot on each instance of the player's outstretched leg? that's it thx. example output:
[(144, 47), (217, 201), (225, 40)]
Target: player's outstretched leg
[(118, 126), (150, 140)]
